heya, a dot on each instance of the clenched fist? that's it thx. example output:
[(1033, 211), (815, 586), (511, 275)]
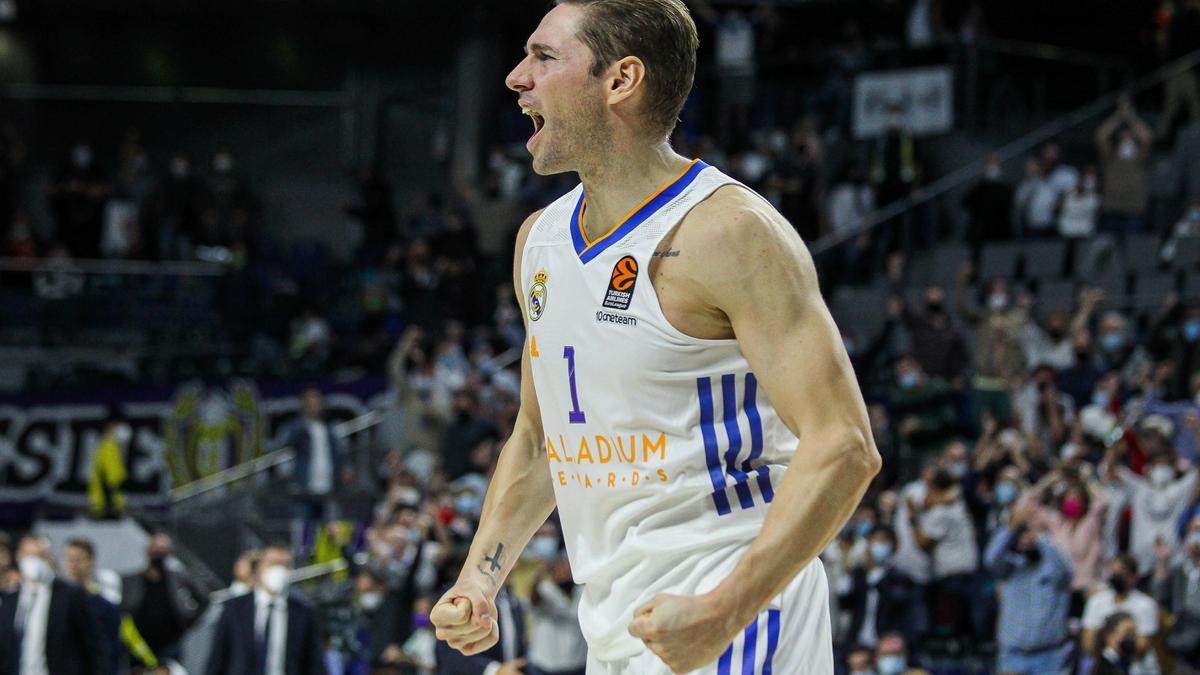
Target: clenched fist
[(465, 618)]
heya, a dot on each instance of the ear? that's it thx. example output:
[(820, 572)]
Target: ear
[(625, 78)]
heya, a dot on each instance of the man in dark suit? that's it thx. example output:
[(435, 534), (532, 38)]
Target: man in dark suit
[(506, 657), (268, 631), (880, 598), (319, 464), (47, 626)]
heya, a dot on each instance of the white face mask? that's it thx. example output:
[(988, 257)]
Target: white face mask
[(543, 547), (1161, 474), (123, 433), (1128, 149), (35, 570), (275, 579), (371, 601)]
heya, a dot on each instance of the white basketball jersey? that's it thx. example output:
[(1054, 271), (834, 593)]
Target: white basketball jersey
[(663, 449)]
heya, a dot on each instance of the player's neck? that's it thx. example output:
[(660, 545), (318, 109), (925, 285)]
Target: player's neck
[(615, 186)]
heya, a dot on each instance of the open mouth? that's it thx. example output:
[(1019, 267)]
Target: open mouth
[(538, 122)]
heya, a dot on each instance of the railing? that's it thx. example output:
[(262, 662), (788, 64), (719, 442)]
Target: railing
[(179, 268), (265, 462), (1008, 151)]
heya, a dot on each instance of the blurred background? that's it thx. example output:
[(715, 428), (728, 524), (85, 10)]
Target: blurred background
[(256, 311)]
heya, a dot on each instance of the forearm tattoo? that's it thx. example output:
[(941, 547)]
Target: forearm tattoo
[(492, 563)]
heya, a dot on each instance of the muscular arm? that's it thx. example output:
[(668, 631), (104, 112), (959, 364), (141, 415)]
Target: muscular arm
[(750, 266), (520, 496)]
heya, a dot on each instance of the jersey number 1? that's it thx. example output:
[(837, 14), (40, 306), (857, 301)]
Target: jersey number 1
[(576, 415)]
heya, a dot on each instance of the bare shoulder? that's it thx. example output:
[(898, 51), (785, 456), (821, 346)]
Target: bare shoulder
[(735, 235)]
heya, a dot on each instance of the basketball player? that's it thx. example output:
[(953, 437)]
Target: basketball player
[(686, 401)]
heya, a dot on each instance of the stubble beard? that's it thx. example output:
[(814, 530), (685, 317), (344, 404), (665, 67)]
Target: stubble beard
[(579, 140)]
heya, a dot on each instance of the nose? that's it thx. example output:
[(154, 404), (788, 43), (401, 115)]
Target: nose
[(518, 79)]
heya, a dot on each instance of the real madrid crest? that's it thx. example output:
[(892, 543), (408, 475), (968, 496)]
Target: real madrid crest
[(537, 295)]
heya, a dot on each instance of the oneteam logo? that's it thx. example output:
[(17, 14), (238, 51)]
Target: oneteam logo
[(621, 284)]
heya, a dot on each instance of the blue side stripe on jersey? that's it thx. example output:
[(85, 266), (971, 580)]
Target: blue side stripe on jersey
[(729, 392), (756, 438), (726, 661), (664, 197), (772, 638), (749, 648), (711, 454)]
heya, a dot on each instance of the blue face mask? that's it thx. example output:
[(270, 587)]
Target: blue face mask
[(1006, 492), (909, 380), (892, 664), (1101, 399), (863, 529), (465, 504), (1191, 331), (1111, 342), (881, 551)]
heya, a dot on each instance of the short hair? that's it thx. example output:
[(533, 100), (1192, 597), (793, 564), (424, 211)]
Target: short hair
[(659, 32), (1127, 561), (885, 529), (84, 545)]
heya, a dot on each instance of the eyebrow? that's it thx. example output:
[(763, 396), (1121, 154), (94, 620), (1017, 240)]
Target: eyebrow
[(540, 47)]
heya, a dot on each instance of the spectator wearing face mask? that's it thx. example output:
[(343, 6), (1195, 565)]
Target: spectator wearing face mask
[(943, 528), (1054, 344), (1123, 144), (47, 626), (556, 643), (1074, 521), (1035, 594), (998, 328), (1175, 337), (1116, 646), (937, 343), (1078, 208), (880, 598), (989, 205), (164, 599), (1176, 584), (170, 215), (1122, 595), (385, 619), (108, 471), (1157, 500), (269, 631), (924, 407)]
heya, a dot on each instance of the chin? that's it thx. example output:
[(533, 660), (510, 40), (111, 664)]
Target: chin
[(544, 166)]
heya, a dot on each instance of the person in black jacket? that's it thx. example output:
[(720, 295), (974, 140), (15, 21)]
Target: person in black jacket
[(268, 631), (898, 604), (506, 657), (47, 626)]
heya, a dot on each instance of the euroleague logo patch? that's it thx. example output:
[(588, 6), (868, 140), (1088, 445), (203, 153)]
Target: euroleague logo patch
[(621, 284), (537, 295)]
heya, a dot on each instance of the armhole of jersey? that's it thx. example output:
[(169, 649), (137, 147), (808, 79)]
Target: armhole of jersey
[(654, 301)]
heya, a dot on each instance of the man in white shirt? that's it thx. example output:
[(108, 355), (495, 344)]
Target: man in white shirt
[(320, 461), (1122, 596), (46, 626), (268, 631)]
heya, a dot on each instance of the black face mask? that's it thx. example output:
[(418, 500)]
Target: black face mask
[(935, 307), (1120, 585), (1033, 555), (1127, 648)]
